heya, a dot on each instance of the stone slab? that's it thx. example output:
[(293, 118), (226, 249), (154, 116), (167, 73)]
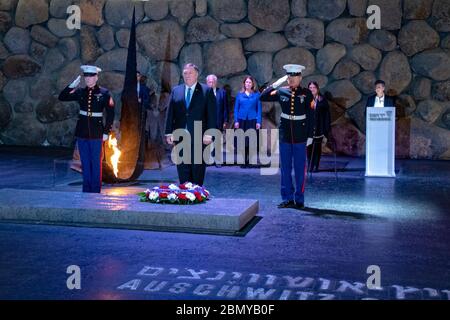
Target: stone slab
[(217, 216)]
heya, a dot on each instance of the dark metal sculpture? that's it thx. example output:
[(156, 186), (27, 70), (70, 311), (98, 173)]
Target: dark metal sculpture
[(132, 126)]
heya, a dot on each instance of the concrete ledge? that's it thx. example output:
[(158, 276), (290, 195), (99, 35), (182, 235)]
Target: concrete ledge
[(221, 216)]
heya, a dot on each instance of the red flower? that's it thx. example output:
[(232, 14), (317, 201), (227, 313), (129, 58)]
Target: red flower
[(182, 196), (183, 187), (163, 195), (164, 187), (198, 196)]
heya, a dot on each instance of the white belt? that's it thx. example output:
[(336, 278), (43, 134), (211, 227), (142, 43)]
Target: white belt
[(289, 117), (91, 114)]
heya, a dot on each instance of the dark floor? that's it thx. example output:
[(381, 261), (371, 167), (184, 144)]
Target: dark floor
[(400, 225)]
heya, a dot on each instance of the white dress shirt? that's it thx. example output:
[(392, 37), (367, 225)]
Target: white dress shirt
[(379, 102)]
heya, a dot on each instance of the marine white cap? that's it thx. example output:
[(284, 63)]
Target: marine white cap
[(90, 70), (294, 69)]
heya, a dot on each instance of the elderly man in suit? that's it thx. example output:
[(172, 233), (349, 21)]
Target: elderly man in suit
[(191, 103), (221, 106)]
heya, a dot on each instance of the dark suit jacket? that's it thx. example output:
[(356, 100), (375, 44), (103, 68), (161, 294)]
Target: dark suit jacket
[(322, 118), (144, 95), (388, 101), (202, 108), (147, 96), (222, 107)]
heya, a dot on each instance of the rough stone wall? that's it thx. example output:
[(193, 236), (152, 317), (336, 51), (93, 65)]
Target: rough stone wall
[(39, 55)]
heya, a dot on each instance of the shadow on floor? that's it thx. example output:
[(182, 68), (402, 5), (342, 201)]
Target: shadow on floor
[(328, 214)]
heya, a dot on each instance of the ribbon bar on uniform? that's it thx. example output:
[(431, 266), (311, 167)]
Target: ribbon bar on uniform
[(289, 117), (91, 114)]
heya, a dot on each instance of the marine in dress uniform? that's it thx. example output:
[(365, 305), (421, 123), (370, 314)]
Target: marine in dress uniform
[(91, 131), (295, 133)]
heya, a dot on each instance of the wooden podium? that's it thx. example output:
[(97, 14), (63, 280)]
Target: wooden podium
[(380, 142)]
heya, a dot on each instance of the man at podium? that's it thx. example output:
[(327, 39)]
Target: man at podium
[(379, 99), (380, 134)]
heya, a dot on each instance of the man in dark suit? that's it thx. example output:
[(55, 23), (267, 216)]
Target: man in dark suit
[(191, 103), (221, 102), (379, 99), (221, 106), (143, 92), (146, 98)]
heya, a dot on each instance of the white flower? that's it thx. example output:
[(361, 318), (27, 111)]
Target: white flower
[(155, 188), (173, 187), (153, 195), (190, 196), (189, 185), (172, 197)]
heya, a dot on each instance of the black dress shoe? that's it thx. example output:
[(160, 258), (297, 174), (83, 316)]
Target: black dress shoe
[(286, 204), (244, 166), (300, 206)]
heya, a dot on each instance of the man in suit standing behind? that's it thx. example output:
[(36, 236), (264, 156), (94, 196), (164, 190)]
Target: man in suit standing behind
[(146, 99), (189, 103), (379, 99), (221, 106)]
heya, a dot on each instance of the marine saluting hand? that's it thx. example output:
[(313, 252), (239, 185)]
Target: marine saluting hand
[(75, 83), (279, 82)]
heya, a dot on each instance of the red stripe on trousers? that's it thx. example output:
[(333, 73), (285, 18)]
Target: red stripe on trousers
[(101, 165), (304, 179)]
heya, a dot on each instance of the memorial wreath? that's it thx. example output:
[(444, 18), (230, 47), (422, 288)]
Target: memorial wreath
[(186, 193)]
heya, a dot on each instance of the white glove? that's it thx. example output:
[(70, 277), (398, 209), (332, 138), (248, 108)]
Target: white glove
[(169, 139), (207, 139), (279, 82), (75, 83), (309, 141), (105, 137)]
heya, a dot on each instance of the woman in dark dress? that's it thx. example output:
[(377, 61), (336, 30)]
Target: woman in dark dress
[(322, 126)]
